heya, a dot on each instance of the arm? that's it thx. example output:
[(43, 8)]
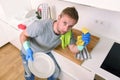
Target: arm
[(81, 41), (23, 37), (26, 44)]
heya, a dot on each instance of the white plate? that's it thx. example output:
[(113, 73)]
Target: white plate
[(43, 66)]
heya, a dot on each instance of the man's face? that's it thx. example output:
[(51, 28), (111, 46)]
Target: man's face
[(65, 23)]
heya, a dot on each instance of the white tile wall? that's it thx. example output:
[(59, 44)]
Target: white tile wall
[(15, 8), (98, 21)]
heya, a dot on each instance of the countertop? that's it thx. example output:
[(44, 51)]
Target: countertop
[(99, 53), (68, 54)]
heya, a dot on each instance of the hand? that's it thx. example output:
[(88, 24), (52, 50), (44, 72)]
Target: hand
[(86, 38), (29, 52), (29, 55)]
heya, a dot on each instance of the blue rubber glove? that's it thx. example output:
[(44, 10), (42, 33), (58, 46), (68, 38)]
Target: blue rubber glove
[(29, 55), (86, 38)]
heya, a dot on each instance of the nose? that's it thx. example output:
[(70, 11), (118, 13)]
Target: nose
[(66, 28)]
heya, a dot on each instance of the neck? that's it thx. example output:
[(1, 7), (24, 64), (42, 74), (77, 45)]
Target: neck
[(55, 28)]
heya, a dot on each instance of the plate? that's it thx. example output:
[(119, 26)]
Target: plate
[(43, 65)]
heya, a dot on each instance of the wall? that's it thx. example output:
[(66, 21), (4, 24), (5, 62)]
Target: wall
[(15, 8), (98, 21)]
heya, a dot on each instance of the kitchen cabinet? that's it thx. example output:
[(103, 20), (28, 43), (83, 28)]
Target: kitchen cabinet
[(113, 5), (16, 40), (3, 35), (6, 33), (72, 71)]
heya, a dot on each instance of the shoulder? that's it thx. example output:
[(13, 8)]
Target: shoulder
[(45, 21), (41, 24)]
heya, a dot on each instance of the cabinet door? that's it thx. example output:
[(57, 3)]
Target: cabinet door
[(7, 33), (113, 5), (3, 35), (70, 70)]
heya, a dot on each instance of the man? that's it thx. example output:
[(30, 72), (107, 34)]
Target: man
[(44, 36)]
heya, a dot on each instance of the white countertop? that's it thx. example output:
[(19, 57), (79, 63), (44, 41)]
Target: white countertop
[(98, 55)]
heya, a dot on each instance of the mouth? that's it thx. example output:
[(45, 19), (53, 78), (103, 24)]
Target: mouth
[(63, 32)]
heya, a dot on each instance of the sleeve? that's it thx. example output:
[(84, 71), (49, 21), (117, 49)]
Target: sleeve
[(35, 29)]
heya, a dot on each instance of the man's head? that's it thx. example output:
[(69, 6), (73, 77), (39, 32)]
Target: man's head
[(71, 12), (66, 20)]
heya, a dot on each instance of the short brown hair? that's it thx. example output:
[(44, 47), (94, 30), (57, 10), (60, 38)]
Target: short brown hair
[(70, 11)]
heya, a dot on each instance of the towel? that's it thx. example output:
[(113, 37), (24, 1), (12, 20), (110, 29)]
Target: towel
[(65, 39)]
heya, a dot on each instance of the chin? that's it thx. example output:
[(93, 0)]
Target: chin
[(62, 32)]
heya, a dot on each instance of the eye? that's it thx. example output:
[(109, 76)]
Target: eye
[(65, 23)]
